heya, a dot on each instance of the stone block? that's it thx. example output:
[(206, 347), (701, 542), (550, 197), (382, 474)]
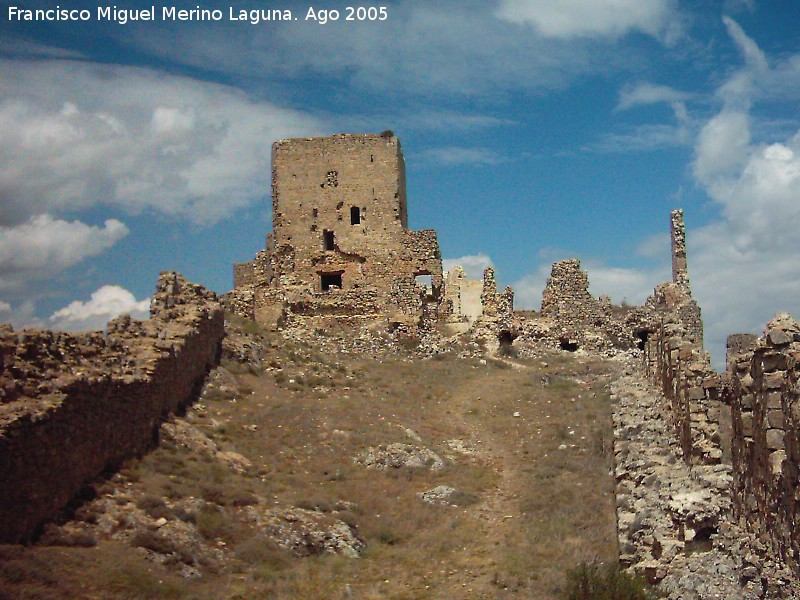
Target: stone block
[(772, 400), (777, 337), (747, 424), (774, 381), (775, 439), (775, 419), (776, 462), (774, 361), (695, 393)]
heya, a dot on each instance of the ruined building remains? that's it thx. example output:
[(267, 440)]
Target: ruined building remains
[(676, 296), (340, 245)]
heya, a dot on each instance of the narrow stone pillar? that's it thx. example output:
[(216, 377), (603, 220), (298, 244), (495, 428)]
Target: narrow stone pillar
[(680, 274)]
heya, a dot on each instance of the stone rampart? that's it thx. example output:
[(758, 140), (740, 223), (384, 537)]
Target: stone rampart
[(678, 365), (763, 393), (75, 405)]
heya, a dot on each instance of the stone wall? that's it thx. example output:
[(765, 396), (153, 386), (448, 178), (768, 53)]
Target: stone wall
[(677, 364), (496, 325), (463, 295), (676, 296), (74, 405), (566, 296), (763, 393)]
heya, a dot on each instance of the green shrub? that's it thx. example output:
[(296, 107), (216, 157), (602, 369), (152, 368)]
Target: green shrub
[(589, 581)]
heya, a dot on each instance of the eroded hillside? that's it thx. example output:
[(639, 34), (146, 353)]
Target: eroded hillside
[(308, 474)]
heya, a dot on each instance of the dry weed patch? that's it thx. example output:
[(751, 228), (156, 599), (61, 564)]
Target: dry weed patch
[(523, 443)]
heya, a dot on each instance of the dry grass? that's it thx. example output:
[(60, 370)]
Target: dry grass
[(530, 510)]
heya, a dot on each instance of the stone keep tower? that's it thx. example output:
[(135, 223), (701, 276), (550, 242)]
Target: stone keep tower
[(340, 227)]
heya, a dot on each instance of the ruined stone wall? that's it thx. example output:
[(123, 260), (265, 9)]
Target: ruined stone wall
[(680, 272), (464, 296), (764, 395), (496, 325), (679, 366), (566, 296), (676, 296), (73, 405), (244, 274), (422, 256)]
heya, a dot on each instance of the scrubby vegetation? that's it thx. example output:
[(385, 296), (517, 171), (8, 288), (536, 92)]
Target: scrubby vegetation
[(525, 446)]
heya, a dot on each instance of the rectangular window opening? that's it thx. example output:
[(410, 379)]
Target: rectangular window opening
[(328, 240), (330, 280), (426, 280), (355, 215)]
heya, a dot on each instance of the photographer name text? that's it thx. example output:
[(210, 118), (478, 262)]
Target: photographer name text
[(123, 16)]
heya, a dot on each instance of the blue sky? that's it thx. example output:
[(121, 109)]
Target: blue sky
[(533, 130)]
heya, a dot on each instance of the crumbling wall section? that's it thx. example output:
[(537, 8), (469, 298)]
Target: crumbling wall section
[(72, 406), (682, 370), (496, 325), (566, 296), (764, 394), (424, 256)]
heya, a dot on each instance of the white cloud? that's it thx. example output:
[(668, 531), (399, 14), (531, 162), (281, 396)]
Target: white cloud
[(473, 265), (644, 93), (77, 135), (528, 289), (599, 18), (105, 303), (643, 137), (20, 316), (745, 267), (722, 146), (443, 48), (44, 246), (458, 155), (620, 284), (649, 136)]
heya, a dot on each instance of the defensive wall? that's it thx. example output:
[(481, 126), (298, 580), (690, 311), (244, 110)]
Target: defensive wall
[(75, 405), (763, 391)]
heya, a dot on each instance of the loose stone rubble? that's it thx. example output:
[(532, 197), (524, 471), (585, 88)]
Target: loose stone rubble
[(307, 532), (396, 456), (670, 516)]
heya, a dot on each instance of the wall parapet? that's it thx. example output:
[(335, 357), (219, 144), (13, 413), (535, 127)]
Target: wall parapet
[(682, 369), (75, 405), (764, 395)]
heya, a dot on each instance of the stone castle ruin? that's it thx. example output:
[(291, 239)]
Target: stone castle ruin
[(706, 464), (340, 246)]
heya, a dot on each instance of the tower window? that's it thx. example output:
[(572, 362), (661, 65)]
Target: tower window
[(330, 280), (355, 215), (327, 239)]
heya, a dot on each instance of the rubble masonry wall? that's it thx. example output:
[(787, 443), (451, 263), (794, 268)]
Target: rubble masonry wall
[(677, 364), (763, 393), (74, 405)]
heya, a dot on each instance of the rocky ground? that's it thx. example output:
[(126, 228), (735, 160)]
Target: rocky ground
[(345, 467), (675, 523)]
